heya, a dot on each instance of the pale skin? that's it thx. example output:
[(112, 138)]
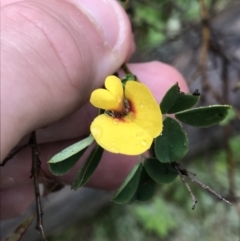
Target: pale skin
[(53, 55)]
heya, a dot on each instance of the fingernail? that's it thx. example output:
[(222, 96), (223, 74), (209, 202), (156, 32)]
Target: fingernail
[(106, 15)]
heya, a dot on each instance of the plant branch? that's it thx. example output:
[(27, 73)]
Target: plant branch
[(187, 186), (35, 171), (202, 185), (12, 154)]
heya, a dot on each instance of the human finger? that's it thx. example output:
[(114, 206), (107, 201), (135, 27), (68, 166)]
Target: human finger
[(54, 53)]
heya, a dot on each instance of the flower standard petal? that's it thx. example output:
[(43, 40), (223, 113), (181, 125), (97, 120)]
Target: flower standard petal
[(120, 135), (146, 111), (110, 98)]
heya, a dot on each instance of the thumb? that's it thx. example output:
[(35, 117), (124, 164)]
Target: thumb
[(54, 53)]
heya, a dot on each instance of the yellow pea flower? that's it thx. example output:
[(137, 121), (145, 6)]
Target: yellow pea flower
[(131, 120)]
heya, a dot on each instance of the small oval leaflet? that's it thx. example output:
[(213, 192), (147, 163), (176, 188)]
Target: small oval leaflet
[(72, 150), (204, 116), (175, 100), (129, 186), (161, 173), (88, 168), (172, 145), (146, 187), (184, 102), (169, 99), (64, 161), (60, 168)]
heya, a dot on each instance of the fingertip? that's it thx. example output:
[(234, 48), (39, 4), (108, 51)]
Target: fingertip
[(70, 56), (159, 77)]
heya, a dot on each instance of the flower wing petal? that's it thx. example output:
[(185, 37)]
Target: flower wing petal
[(110, 98), (120, 135), (147, 113), (102, 99)]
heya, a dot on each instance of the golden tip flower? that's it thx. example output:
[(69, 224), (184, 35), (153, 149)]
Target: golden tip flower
[(133, 119)]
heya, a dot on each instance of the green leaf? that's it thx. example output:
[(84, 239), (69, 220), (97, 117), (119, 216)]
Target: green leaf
[(146, 187), (132, 199), (172, 144), (66, 165), (64, 161), (72, 150), (175, 100), (203, 116), (161, 173), (169, 99), (184, 102), (129, 186), (88, 168)]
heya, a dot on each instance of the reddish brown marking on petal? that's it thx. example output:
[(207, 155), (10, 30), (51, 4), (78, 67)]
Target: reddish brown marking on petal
[(120, 119), (127, 109), (132, 108)]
